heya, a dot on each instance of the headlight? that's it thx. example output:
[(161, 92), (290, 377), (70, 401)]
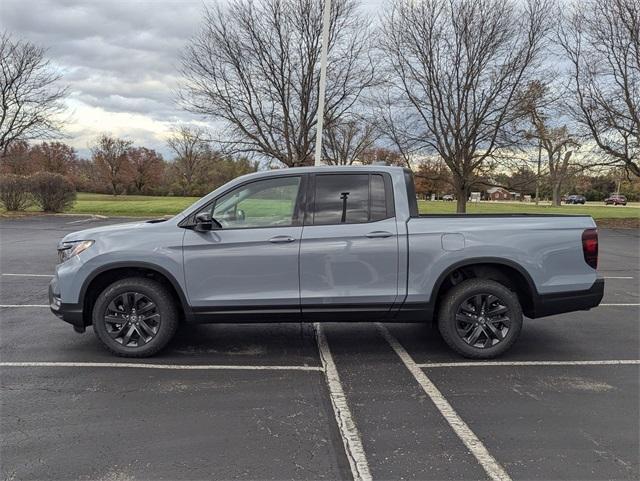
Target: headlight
[(73, 248)]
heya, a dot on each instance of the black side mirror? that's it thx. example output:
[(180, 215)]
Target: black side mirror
[(205, 222)]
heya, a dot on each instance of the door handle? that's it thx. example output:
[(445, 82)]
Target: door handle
[(379, 234), (281, 239)]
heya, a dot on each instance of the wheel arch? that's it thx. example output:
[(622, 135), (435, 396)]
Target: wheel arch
[(509, 273), (105, 275)]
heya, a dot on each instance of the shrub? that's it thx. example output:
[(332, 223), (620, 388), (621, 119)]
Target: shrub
[(14, 192), (52, 192)]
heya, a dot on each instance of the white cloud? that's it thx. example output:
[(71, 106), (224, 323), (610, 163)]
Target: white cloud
[(119, 59)]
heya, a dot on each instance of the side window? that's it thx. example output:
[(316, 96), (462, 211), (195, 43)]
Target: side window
[(264, 203), (411, 193), (349, 199)]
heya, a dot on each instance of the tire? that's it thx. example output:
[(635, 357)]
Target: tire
[(496, 332), (148, 313)]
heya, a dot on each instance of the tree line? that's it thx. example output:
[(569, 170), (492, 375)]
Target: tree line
[(480, 87), (433, 180), (116, 166)]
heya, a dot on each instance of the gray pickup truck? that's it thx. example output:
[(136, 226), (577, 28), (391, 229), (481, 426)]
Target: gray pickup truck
[(325, 244)]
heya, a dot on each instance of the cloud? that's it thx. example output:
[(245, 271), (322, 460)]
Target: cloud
[(119, 60)]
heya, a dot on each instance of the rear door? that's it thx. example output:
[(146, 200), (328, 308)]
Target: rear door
[(349, 247)]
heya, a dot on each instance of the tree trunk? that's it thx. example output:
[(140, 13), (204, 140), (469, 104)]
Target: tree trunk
[(461, 199), (555, 194)]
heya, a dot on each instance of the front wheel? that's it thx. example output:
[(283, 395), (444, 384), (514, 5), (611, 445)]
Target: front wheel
[(480, 318), (135, 317)]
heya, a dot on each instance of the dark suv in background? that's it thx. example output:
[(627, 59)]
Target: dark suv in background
[(575, 199), (616, 199)]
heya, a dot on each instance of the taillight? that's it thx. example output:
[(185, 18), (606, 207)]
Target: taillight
[(590, 247)]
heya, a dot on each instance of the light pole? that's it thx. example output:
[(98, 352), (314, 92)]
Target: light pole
[(326, 17), (538, 174)]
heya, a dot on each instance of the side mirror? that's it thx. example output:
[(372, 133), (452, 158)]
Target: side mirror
[(205, 222)]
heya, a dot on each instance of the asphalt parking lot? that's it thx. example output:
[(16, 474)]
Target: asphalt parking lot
[(297, 401)]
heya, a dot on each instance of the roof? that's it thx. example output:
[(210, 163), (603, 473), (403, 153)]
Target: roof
[(323, 168)]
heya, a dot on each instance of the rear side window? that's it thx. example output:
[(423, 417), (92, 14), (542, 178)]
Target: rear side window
[(411, 194), (349, 199), (378, 198)]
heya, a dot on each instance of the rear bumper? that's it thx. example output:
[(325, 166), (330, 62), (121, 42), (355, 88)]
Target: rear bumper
[(560, 302), (71, 313)]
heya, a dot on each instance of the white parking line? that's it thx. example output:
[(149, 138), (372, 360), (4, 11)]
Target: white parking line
[(348, 430), (495, 471), (529, 363), (613, 305), (181, 367), (618, 277), (24, 305), (28, 275), (93, 217)]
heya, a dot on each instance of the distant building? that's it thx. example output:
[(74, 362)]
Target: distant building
[(498, 193)]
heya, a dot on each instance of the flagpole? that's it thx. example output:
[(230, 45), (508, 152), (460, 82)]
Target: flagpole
[(326, 17)]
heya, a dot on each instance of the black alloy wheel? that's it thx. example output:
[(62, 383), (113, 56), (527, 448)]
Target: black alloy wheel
[(480, 318), (482, 321), (135, 317), (132, 319)]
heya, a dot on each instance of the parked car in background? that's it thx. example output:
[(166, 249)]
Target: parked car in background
[(575, 199), (448, 197), (325, 244), (616, 199)]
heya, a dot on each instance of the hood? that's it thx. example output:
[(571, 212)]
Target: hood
[(91, 234)]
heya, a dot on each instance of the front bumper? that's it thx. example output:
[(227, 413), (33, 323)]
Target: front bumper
[(560, 302), (71, 313)]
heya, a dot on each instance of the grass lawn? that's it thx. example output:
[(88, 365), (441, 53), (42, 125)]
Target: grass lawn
[(130, 205), (150, 206), (597, 210)]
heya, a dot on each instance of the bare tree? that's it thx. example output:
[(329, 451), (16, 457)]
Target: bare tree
[(147, 167), (601, 40), (542, 113), (18, 159), (255, 67), (56, 157), (110, 155), (191, 147), (456, 66), (29, 99), (559, 147), (432, 177), (347, 140)]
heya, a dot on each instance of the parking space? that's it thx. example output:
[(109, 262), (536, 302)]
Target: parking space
[(277, 401), (61, 423), (551, 422)]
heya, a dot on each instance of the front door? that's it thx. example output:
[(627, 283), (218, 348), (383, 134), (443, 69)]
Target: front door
[(349, 248), (248, 268)]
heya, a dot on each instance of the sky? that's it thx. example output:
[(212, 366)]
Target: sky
[(119, 59)]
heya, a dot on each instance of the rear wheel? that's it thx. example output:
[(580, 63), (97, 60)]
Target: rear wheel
[(480, 318), (135, 317)]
